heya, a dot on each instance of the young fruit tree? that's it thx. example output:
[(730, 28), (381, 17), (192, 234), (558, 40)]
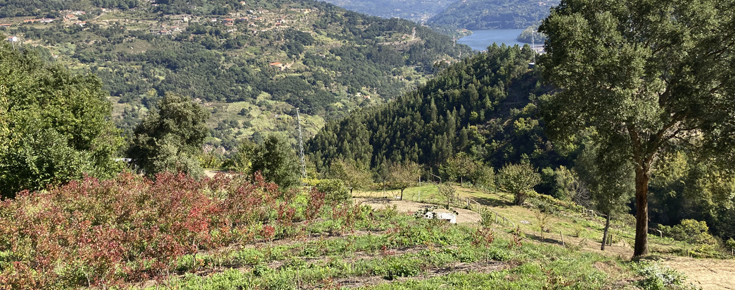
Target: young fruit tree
[(403, 176), (647, 75), (353, 174), (518, 179)]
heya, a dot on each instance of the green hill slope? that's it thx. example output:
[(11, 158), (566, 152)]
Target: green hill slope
[(252, 63), (493, 14), (485, 106)]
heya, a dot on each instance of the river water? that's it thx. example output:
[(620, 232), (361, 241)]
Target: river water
[(481, 39)]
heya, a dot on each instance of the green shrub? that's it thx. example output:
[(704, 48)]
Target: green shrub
[(691, 231), (730, 243), (656, 277), (486, 218), (334, 190)]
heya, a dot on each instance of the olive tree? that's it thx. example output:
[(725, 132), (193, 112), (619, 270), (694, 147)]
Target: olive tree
[(648, 75)]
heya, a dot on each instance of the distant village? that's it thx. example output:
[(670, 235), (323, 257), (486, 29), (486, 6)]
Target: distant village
[(247, 21)]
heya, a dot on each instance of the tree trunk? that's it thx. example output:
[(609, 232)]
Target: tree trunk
[(642, 177), (520, 198), (402, 193), (604, 234)]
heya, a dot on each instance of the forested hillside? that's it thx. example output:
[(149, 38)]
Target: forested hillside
[(414, 10), (251, 63), (485, 106), (493, 14)]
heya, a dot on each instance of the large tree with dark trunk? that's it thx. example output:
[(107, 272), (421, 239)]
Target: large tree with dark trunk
[(648, 75)]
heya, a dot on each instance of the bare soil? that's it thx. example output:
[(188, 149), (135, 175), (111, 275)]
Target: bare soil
[(705, 273), (463, 216)]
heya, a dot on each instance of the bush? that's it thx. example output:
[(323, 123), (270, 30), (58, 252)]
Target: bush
[(656, 277), (334, 190), (691, 231), (107, 233)]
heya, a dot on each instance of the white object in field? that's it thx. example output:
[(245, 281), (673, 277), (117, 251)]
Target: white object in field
[(452, 218)]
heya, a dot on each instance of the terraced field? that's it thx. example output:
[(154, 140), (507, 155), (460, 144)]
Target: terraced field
[(387, 247)]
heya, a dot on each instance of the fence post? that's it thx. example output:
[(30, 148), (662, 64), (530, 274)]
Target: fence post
[(562, 239)]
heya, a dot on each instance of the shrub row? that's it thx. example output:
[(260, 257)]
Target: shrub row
[(100, 233)]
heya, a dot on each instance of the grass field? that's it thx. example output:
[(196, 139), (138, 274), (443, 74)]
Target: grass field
[(225, 232), (391, 249)]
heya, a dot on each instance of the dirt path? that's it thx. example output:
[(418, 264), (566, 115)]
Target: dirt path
[(464, 216), (706, 273)]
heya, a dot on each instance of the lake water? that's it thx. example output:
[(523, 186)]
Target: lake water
[(481, 39)]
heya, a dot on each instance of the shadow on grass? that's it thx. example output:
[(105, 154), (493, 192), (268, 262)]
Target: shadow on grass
[(492, 202), (549, 238)]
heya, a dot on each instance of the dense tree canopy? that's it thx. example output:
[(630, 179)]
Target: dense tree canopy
[(54, 125), (277, 162), (484, 106), (649, 76), (170, 138)]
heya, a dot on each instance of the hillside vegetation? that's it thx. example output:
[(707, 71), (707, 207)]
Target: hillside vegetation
[(493, 14), (251, 63), (485, 106), (482, 114), (230, 233)]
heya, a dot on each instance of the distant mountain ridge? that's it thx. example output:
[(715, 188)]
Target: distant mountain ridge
[(414, 10), (493, 14)]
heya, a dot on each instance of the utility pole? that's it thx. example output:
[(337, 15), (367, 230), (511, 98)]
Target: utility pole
[(301, 145)]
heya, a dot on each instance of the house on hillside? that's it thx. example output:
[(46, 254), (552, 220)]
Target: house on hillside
[(6, 25), (13, 39), (277, 64), (46, 20), (228, 21), (80, 23)]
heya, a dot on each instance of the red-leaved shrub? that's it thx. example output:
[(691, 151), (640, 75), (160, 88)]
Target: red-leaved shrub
[(102, 233)]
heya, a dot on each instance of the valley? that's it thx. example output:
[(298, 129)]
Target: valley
[(251, 64), (294, 144)]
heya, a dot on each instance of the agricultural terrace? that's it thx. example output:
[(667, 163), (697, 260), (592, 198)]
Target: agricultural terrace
[(228, 232)]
